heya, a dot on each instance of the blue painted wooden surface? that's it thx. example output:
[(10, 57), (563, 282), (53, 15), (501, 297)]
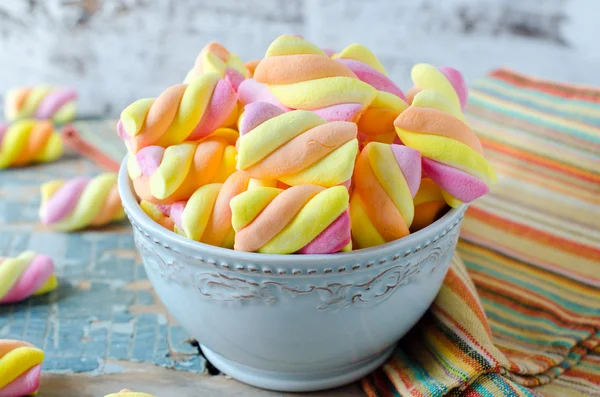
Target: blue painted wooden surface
[(104, 310)]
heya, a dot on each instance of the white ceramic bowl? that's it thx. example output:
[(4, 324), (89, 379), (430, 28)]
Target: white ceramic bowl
[(294, 322)]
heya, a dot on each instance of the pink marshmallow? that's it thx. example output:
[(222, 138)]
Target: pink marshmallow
[(219, 108), (53, 102), (409, 161), (341, 112), (164, 208), (234, 78), (335, 237), (252, 91), (3, 129), (373, 77), (177, 213), (458, 183), (121, 131), (149, 159), (458, 82), (257, 113), (63, 202), (38, 272), (24, 385)]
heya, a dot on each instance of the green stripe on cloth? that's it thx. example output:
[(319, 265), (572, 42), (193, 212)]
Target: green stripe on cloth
[(519, 312)]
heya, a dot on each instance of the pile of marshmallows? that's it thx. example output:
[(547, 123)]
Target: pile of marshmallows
[(305, 151)]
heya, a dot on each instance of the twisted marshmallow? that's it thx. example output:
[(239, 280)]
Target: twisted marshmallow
[(27, 275), (20, 368), (81, 202), (182, 112), (446, 80), (301, 76), (386, 178), (429, 205), (377, 121), (206, 216), (129, 393), (43, 103), (296, 147), (306, 219), (452, 154), (164, 176), (214, 58), (28, 141)]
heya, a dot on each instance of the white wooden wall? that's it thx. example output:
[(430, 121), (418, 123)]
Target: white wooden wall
[(115, 51)]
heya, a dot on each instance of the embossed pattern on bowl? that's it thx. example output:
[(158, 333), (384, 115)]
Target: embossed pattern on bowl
[(295, 322)]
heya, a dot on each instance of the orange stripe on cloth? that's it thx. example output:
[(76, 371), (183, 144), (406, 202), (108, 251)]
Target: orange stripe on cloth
[(527, 232), (541, 161)]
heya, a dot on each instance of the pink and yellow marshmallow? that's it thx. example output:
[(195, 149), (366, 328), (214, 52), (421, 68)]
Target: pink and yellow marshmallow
[(28, 141), (159, 213), (452, 154), (20, 368), (298, 147), (304, 219), (183, 112), (166, 175), (206, 216), (56, 104), (376, 122), (300, 75), (81, 202), (215, 58), (26, 275), (386, 179), (446, 80)]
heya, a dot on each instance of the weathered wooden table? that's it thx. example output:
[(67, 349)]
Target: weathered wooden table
[(103, 329), (164, 383)]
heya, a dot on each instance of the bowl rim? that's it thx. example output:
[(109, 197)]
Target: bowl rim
[(399, 248)]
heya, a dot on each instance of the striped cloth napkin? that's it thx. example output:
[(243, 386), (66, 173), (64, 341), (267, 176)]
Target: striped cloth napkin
[(519, 312)]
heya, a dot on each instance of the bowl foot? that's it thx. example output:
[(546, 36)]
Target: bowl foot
[(293, 382)]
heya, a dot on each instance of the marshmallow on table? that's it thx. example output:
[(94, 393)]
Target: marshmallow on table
[(20, 368), (297, 147), (429, 205), (452, 154), (28, 141), (305, 219), (300, 75), (81, 202), (386, 179), (206, 216), (214, 58), (56, 104), (128, 393), (164, 176), (376, 122), (183, 112), (29, 274)]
